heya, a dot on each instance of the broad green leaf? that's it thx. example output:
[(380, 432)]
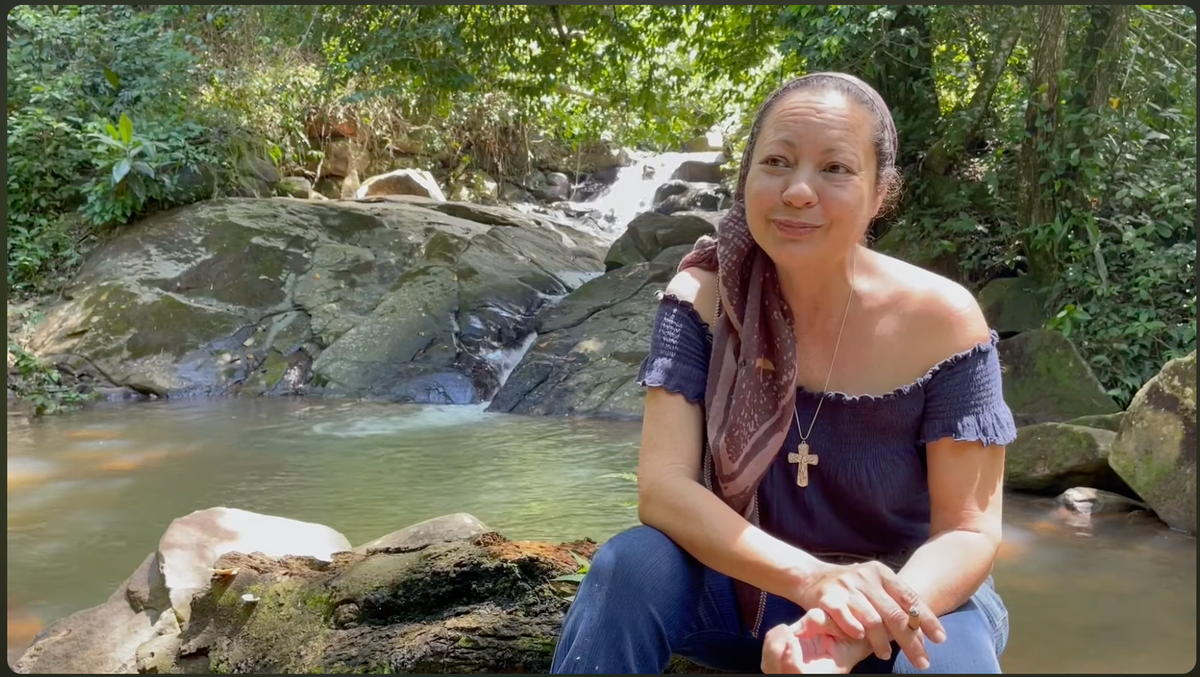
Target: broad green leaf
[(126, 128), (120, 170)]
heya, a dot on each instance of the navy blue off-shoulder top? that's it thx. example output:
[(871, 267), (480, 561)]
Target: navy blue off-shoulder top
[(868, 496)]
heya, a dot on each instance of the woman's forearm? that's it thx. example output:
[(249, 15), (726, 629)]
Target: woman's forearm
[(949, 568), (702, 524)]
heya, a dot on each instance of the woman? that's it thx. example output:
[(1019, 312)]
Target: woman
[(822, 458)]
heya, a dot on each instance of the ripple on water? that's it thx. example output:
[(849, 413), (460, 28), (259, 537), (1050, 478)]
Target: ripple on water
[(419, 418)]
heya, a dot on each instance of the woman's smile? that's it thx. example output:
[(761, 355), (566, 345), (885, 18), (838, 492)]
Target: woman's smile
[(792, 228)]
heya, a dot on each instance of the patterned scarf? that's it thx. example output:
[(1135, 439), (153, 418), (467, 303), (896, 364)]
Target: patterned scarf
[(751, 388)]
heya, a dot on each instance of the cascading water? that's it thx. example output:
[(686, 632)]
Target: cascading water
[(608, 214), (507, 359), (633, 191), (606, 217)]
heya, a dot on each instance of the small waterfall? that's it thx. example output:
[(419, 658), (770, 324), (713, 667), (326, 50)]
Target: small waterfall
[(633, 191), (607, 215), (507, 359)]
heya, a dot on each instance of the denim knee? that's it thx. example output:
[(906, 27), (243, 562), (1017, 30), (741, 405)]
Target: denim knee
[(638, 562), (989, 601)]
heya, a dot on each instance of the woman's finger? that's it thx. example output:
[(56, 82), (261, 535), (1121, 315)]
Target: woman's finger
[(781, 652), (908, 600), (845, 620), (817, 622), (897, 622), (872, 622)]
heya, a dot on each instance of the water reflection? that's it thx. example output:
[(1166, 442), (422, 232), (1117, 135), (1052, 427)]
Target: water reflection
[(90, 493)]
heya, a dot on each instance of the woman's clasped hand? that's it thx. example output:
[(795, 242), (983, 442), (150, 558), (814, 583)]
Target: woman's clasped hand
[(853, 611)]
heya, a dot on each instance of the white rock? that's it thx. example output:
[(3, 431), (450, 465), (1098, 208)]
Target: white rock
[(402, 182), (193, 543)]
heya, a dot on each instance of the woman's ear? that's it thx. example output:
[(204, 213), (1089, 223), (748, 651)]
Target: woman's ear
[(880, 195)]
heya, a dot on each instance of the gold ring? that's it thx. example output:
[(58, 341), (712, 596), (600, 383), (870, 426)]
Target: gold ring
[(914, 618)]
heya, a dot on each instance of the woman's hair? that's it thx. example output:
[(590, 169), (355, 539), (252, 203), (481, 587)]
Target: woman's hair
[(887, 176)]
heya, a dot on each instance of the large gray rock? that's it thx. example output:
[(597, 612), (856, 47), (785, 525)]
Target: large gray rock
[(254, 296), (649, 233), (681, 196), (456, 598), (1110, 422), (457, 527), (589, 348), (1013, 305), (1155, 450), (589, 157), (699, 171), (1047, 380), (1049, 458), (107, 638), (295, 186), (101, 640)]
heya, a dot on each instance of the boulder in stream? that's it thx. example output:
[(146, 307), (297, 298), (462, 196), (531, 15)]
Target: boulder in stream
[(650, 233), (1049, 458), (1089, 501), (700, 171), (457, 527), (1047, 380), (1155, 450), (1013, 305), (589, 348), (138, 628), (681, 196), (380, 298)]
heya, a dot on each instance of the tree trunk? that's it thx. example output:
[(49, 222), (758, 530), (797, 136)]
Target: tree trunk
[(1099, 65), (1037, 202), (1109, 25), (943, 154)]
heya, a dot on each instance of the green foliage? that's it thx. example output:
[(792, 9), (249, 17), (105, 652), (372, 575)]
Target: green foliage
[(40, 383), (79, 78), (577, 577)]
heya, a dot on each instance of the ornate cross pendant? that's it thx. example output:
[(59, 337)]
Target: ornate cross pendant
[(804, 459)]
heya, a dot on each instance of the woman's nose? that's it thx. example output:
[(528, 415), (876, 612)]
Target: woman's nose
[(799, 193)]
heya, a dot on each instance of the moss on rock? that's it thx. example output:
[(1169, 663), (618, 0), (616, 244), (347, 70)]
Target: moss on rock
[(485, 605), (1155, 450), (1046, 379)]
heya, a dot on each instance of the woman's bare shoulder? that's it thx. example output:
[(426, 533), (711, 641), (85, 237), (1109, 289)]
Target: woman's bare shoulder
[(942, 314), (698, 287)]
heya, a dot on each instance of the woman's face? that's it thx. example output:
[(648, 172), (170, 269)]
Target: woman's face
[(810, 191)]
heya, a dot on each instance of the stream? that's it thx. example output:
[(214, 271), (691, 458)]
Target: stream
[(91, 492)]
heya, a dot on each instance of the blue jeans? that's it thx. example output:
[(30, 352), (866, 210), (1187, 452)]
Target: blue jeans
[(645, 599)]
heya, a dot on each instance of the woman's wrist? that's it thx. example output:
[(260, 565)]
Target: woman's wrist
[(801, 575)]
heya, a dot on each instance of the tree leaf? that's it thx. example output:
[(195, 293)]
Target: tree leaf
[(126, 128), (113, 78), (120, 170)]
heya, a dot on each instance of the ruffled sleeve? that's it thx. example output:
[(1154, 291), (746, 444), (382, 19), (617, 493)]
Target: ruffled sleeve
[(964, 399), (680, 345)]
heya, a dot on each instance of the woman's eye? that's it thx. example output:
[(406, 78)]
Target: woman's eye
[(837, 169), (774, 161)]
